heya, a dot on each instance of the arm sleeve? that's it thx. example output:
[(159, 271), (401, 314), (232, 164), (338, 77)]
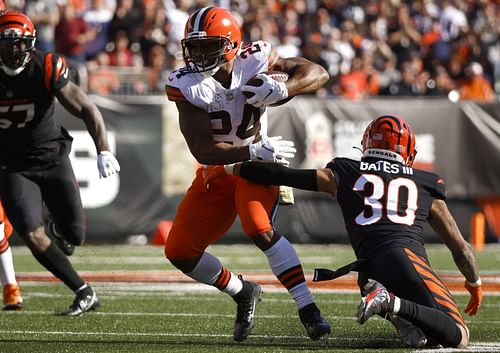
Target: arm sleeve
[(56, 74), (275, 174)]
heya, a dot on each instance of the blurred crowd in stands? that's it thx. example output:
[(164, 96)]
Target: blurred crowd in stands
[(448, 48)]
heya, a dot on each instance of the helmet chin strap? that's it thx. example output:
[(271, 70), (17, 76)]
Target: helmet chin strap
[(210, 73), (14, 72)]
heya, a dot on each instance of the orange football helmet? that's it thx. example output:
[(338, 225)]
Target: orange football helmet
[(212, 37), (389, 137), (17, 41)]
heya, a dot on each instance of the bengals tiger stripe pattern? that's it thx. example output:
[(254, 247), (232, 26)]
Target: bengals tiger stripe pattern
[(441, 294)]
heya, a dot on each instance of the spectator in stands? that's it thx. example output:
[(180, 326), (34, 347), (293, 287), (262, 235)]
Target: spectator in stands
[(71, 34), (475, 86), (403, 37), (341, 43), (127, 17), (154, 26), (448, 33), (442, 83), (354, 85), (98, 17), (157, 66), (453, 21), (104, 80), (119, 53), (389, 77), (408, 86), (45, 17)]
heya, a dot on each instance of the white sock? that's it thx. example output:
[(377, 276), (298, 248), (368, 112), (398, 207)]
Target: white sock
[(397, 305), (210, 271), (85, 285), (286, 266), (7, 273)]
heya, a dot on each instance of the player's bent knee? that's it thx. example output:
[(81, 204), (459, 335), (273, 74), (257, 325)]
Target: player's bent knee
[(36, 240), (176, 250), (75, 234)]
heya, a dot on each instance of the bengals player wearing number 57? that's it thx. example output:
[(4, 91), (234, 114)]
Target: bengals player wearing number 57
[(220, 126), (34, 162), (385, 203)]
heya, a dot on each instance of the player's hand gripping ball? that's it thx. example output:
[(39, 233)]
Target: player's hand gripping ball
[(266, 89)]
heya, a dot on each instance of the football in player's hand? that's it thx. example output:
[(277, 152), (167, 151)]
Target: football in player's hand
[(275, 75)]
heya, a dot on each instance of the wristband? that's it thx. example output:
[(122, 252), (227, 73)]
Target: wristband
[(229, 169), (475, 284)]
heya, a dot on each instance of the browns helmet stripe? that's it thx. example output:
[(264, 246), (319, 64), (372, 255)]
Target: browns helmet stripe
[(197, 19)]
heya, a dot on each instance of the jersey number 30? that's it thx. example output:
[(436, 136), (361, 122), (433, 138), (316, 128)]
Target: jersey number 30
[(392, 204)]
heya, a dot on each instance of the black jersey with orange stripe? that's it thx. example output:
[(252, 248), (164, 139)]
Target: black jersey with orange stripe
[(29, 134), (384, 203)]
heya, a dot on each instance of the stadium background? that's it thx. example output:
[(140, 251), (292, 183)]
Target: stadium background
[(436, 63)]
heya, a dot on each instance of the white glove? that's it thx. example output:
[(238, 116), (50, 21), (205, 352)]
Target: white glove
[(270, 92), (107, 164), (272, 149)]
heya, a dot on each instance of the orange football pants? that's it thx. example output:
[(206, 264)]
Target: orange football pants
[(204, 216)]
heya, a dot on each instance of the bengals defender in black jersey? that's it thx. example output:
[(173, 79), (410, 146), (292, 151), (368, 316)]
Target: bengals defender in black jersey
[(34, 163), (385, 203)]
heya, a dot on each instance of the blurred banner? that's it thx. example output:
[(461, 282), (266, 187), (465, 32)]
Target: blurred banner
[(461, 142)]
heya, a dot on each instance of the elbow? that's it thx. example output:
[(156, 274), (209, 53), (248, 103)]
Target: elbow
[(202, 157), (323, 75)]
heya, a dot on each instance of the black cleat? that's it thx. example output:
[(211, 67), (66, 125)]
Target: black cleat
[(316, 326), (63, 244), (377, 300), (247, 300), (85, 300), (410, 335)]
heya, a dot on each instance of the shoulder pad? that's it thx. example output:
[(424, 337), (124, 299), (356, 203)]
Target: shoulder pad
[(175, 82)]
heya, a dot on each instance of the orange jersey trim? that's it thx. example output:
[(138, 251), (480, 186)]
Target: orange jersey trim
[(174, 94), (48, 71)]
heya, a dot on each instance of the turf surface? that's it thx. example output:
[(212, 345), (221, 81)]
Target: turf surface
[(168, 317)]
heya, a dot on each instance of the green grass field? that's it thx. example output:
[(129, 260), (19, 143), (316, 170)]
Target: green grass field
[(170, 317)]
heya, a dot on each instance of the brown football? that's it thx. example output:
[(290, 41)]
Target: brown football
[(254, 81)]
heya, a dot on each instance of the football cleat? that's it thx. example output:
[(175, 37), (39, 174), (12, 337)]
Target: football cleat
[(316, 326), (63, 244), (247, 300), (12, 299), (410, 335), (85, 300), (377, 301)]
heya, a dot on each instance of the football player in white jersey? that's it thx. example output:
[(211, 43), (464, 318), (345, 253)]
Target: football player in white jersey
[(221, 126)]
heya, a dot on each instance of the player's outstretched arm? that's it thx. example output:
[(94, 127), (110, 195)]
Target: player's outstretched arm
[(445, 226), (75, 101), (275, 174), (304, 75)]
